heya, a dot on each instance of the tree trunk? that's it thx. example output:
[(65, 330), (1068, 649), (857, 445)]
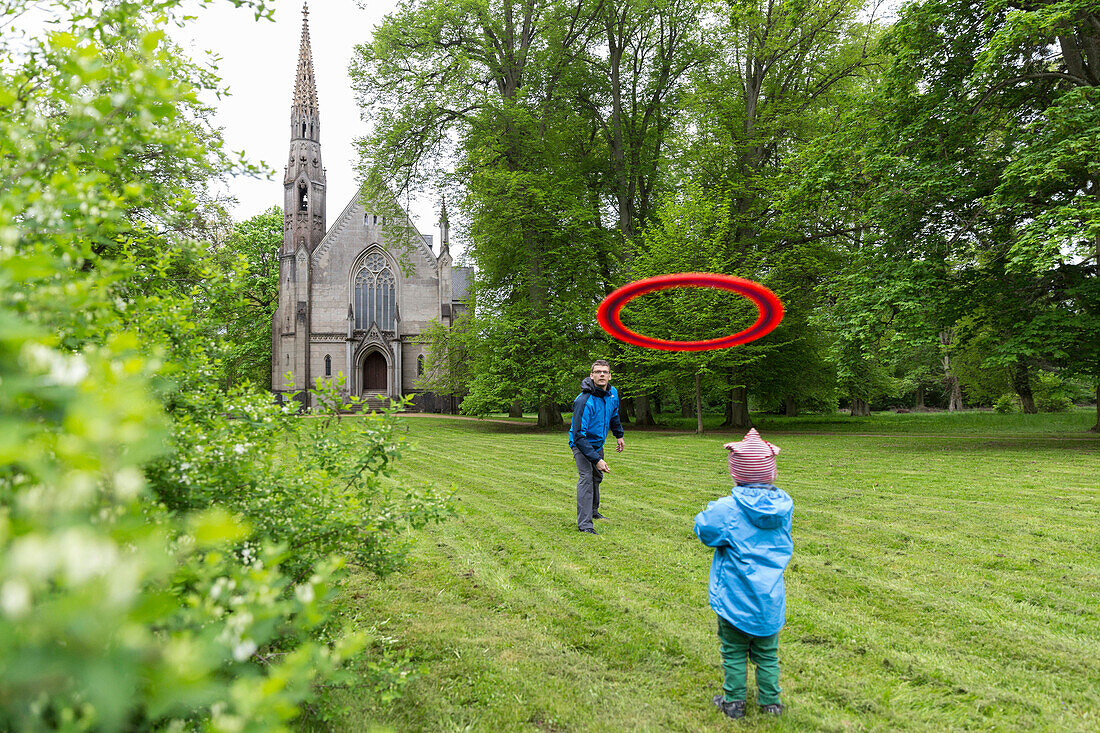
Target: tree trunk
[(698, 404), (790, 406), (1021, 382), (626, 410), (727, 417), (655, 401), (516, 409), (685, 406), (549, 415), (740, 401), (643, 415), (860, 407), (954, 400), (920, 398), (1096, 428), (1096, 187)]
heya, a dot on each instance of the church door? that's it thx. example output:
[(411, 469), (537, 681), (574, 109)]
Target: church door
[(374, 373)]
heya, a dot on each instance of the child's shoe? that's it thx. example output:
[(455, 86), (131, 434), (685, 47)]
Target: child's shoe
[(773, 709), (734, 709)]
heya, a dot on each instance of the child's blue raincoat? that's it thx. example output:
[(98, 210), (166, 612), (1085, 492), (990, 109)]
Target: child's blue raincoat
[(750, 531)]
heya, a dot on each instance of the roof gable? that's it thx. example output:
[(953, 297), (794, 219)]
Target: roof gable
[(351, 212)]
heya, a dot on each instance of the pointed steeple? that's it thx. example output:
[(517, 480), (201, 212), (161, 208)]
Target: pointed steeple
[(305, 113), (304, 182)]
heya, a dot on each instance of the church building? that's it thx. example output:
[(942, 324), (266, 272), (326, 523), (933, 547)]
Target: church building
[(354, 297)]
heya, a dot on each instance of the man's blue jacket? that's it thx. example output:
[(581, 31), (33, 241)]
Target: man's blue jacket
[(594, 411), (750, 531)]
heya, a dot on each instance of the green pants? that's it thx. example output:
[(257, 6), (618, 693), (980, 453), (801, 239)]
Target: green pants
[(764, 652)]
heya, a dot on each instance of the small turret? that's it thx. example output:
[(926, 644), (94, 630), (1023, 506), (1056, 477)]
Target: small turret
[(444, 229)]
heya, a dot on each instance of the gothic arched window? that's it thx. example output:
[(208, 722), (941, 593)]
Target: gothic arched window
[(420, 365), (328, 365), (375, 294)]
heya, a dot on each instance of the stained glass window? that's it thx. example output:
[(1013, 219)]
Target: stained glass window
[(375, 294)]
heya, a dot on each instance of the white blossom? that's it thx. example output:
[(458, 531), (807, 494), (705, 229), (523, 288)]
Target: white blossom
[(15, 598), (128, 482), (60, 369), (86, 555), (244, 649)]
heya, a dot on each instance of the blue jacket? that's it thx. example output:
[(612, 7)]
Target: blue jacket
[(750, 531), (594, 411)]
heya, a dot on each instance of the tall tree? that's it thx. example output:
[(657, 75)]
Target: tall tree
[(774, 76), (980, 180), (638, 61), (250, 256), (689, 234), (1050, 54), (554, 115)]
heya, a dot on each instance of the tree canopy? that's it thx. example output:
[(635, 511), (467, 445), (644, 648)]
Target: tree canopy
[(921, 193)]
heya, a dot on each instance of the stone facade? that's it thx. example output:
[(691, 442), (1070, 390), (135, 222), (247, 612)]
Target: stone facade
[(353, 298)]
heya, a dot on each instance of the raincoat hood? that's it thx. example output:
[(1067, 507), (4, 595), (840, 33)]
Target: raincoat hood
[(763, 505), (587, 385)]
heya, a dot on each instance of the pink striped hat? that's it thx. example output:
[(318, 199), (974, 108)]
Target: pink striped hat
[(752, 461)]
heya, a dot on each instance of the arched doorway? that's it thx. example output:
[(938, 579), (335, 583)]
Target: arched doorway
[(374, 372)]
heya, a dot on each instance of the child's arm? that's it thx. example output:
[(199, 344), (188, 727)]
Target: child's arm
[(711, 524)]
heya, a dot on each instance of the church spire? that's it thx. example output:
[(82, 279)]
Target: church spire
[(304, 182), (305, 113)]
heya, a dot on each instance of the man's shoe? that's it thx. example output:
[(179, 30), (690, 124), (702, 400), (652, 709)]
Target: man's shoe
[(589, 530), (597, 515), (734, 709), (773, 709)]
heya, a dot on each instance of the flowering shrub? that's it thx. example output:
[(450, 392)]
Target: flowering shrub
[(157, 569), (320, 483), (113, 609)]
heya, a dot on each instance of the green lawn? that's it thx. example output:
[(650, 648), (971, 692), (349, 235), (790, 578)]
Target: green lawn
[(939, 582)]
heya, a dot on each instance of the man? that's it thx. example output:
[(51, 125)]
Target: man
[(594, 411)]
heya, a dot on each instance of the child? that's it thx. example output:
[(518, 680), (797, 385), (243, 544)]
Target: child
[(750, 531)]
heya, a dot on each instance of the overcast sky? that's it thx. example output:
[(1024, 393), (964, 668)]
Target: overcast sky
[(258, 61)]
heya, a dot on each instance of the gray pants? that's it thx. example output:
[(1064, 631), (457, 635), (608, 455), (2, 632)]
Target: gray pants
[(588, 489)]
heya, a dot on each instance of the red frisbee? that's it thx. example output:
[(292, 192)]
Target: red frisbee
[(769, 306)]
